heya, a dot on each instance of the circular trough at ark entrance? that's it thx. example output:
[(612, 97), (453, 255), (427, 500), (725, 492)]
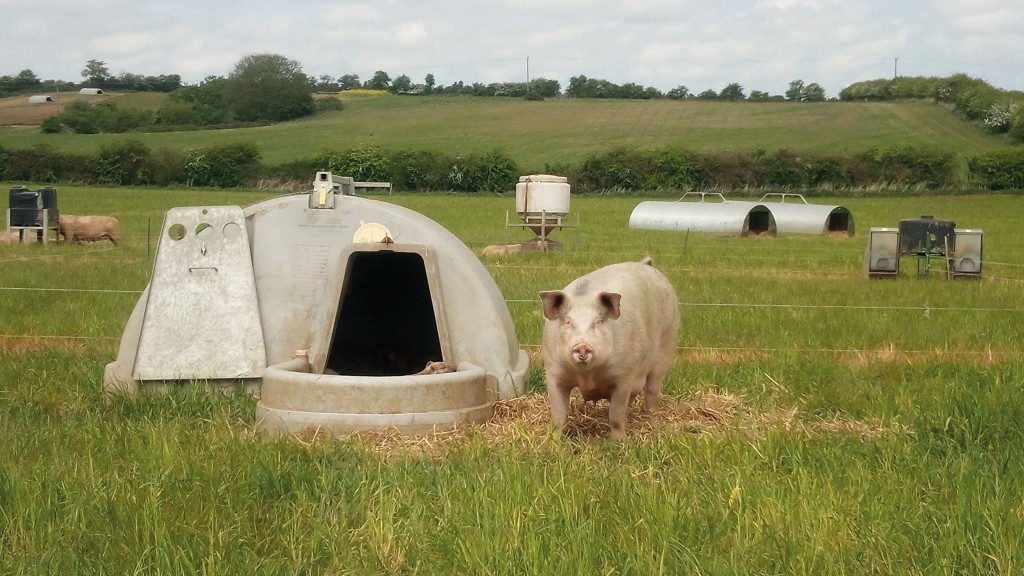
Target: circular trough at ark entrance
[(345, 314), (295, 400)]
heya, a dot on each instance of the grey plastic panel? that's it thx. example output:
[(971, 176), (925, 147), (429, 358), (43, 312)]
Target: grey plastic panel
[(202, 318)]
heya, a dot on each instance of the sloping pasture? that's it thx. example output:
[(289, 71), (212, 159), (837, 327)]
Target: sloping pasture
[(564, 131), (816, 421)]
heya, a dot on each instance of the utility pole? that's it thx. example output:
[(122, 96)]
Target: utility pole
[(527, 76)]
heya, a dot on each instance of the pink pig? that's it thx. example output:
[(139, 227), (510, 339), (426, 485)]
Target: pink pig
[(612, 333)]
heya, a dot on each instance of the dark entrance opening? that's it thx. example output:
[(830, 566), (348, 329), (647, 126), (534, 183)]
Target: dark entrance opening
[(838, 222), (759, 221), (386, 324)]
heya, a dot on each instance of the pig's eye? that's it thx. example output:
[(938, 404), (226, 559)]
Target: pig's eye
[(567, 321), (598, 320)]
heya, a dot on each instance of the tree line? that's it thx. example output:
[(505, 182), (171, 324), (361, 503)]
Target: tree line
[(265, 88), (95, 75), (579, 87)]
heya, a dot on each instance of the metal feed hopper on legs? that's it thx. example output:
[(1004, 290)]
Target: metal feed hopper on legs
[(926, 239), (542, 204)]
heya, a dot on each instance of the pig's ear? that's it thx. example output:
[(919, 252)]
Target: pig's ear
[(553, 301), (610, 302)]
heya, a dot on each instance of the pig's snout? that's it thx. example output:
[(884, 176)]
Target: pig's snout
[(582, 353)]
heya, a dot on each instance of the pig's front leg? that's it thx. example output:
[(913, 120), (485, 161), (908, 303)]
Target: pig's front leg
[(652, 395), (617, 407), (558, 398)]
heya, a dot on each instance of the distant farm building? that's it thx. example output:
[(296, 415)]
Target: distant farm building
[(91, 91), (40, 98)]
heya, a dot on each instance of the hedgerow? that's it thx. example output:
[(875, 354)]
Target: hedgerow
[(239, 165)]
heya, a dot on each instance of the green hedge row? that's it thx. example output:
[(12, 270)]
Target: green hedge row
[(130, 162), (1002, 170), (682, 170)]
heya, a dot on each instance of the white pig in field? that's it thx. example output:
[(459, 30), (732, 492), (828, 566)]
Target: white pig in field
[(76, 229), (612, 333)]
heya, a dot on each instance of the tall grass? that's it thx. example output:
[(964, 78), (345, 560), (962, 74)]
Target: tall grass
[(874, 426)]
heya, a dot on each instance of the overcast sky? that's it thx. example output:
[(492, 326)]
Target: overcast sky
[(761, 44)]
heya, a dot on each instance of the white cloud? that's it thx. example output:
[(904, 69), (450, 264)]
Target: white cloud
[(762, 44)]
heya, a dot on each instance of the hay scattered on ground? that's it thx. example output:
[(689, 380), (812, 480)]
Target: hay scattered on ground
[(721, 356), (890, 354), (16, 345), (525, 422)]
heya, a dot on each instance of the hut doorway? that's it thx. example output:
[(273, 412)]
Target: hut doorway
[(387, 318)]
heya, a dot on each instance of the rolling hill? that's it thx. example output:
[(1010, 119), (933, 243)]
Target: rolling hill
[(563, 131)]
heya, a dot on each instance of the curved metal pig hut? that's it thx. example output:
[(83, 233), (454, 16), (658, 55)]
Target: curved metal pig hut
[(803, 218), (739, 217), (724, 217), (333, 305)]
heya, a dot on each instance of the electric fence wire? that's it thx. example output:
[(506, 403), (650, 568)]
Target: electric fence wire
[(529, 267)]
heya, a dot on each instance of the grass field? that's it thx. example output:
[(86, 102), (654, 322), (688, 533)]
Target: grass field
[(564, 131), (816, 422)]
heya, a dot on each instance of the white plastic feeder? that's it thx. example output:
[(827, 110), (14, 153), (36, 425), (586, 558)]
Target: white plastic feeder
[(332, 306), (542, 199), (542, 202)]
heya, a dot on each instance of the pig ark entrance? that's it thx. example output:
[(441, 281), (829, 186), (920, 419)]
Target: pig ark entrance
[(387, 322), (760, 221), (838, 222)]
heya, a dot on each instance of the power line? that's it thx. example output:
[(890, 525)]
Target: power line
[(684, 304), (705, 349), (925, 309)]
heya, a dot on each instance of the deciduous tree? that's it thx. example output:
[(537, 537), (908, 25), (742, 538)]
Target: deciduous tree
[(732, 92), (380, 81), (96, 72), (268, 87), (401, 84), (678, 93), (814, 93), (796, 91), (349, 82)]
